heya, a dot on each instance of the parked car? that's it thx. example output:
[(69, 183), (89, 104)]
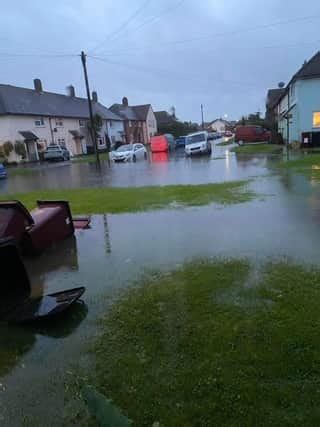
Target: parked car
[(159, 144), (251, 133), (129, 152), (181, 141), (3, 172), (228, 134), (56, 153), (170, 139), (197, 143), (211, 136)]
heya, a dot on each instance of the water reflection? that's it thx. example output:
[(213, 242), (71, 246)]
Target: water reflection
[(17, 341)]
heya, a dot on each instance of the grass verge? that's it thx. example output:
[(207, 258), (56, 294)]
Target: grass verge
[(258, 148), (21, 171), (90, 158), (226, 142), (211, 344), (308, 165), (117, 200)]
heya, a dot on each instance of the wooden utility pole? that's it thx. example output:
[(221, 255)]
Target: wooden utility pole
[(202, 122), (92, 129)]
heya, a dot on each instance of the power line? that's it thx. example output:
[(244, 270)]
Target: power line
[(120, 29), (209, 36), (170, 73), (154, 18)]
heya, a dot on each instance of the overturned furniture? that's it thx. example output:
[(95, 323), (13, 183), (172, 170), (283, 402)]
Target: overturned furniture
[(16, 304), (48, 224)]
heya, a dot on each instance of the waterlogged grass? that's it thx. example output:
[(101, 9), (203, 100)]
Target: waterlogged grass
[(258, 148), (225, 142), (308, 165), (90, 158), (21, 171), (117, 200), (214, 344)]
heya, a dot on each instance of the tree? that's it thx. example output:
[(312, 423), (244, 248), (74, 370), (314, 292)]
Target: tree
[(97, 125)]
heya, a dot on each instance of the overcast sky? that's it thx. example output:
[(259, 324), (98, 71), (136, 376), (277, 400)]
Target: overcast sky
[(224, 54)]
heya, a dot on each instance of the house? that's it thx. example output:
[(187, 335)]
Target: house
[(297, 110), (218, 125), (140, 122), (33, 119), (273, 97)]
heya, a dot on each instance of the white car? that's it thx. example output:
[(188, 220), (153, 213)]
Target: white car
[(197, 143), (129, 152)]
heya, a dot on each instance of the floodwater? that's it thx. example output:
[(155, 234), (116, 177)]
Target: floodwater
[(35, 363), (159, 169)]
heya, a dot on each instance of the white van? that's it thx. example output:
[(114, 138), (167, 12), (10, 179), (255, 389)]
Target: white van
[(197, 143)]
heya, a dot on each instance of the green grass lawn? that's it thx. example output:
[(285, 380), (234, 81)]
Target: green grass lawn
[(90, 158), (212, 344), (117, 200), (258, 148), (16, 171), (226, 142), (308, 165)]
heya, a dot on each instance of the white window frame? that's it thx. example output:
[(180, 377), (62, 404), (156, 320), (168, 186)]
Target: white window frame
[(100, 141), (59, 122), (82, 123), (39, 122)]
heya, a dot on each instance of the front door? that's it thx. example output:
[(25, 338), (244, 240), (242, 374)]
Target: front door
[(32, 149)]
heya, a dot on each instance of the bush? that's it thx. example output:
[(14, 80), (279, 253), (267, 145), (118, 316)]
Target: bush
[(7, 148), (20, 149)]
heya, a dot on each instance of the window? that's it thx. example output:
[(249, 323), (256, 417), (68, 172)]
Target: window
[(100, 141), (82, 123), (316, 119), (292, 90), (59, 122), (62, 141), (39, 122)]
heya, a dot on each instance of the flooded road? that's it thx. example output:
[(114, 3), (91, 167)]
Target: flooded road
[(159, 169), (35, 363)]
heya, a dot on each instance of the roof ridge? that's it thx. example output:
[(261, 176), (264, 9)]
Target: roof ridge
[(43, 91)]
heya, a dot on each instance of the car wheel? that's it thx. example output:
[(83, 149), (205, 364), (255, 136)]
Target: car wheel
[(145, 156), (134, 159)]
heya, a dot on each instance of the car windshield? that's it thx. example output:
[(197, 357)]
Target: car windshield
[(200, 137), (128, 147), (53, 148)]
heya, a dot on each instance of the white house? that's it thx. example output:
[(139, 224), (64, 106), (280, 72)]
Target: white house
[(218, 125), (35, 119), (297, 111)]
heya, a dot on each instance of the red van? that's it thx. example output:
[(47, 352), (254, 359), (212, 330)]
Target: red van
[(251, 133), (159, 144)]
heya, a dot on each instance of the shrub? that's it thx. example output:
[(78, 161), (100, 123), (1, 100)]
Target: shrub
[(20, 149), (7, 148)]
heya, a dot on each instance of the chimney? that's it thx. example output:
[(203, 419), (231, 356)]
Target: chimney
[(37, 85), (125, 102), (70, 91), (94, 97)]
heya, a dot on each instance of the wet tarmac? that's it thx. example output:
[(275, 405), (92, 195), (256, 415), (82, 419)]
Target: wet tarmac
[(285, 222)]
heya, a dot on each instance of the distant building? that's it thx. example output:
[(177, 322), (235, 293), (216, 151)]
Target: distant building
[(37, 118), (218, 125), (297, 109), (139, 121)]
